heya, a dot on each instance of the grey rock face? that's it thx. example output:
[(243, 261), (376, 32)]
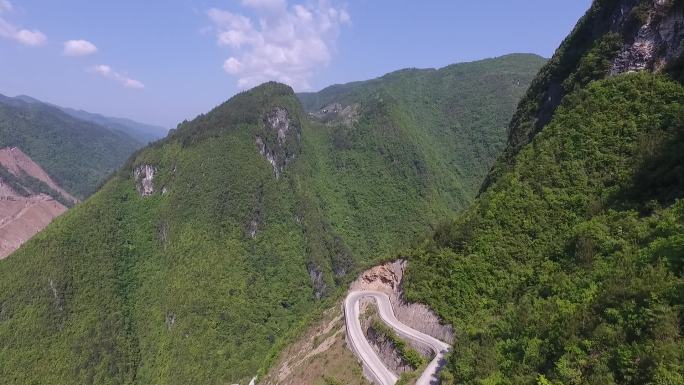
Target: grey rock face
[(316, 276), (170, 320), (144, 179), (657, 43), (279, 121), (387, 352), (336, 113), (277, 146)]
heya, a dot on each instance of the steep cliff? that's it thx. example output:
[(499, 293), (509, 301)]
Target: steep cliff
[(615, 36), (567, 269)]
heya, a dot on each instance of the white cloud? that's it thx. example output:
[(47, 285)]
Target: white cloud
[(107, 72), (283, 43), (270, 5), (79, 48), (233, 66), (32, 38), (224, 20), (132, 83), (103, 70)]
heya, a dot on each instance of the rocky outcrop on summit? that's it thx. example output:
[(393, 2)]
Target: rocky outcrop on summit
[(657, 44), (614, 37), (280, 142)]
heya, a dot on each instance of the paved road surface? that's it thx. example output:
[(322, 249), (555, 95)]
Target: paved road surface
[(365, 352)]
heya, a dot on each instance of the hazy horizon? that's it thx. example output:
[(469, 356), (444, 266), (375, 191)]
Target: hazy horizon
[(174, 62)]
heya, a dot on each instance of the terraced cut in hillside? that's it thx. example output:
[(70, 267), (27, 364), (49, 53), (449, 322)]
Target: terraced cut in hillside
[(202, 258), (79, 155), (29, 199)]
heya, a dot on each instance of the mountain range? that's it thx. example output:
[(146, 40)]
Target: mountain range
[(198, 258), (535, 205), (142, 132), (78, 153)]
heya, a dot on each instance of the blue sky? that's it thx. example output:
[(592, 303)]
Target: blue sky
[(165, 61)]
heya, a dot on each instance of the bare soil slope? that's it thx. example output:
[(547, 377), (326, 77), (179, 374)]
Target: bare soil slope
[(21, 217)]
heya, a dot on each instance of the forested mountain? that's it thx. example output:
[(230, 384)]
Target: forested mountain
[(78, 154), (142, 132), (458, 112), (197, 260), (568, 267)]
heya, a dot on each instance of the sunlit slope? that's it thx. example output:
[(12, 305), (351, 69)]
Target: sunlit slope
[(194, 262)]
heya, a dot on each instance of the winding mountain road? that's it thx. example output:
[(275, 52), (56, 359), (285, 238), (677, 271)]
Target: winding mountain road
[(367, 355)]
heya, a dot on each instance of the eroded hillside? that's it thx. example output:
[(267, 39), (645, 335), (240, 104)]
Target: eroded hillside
[(79, 155), (29, 199)]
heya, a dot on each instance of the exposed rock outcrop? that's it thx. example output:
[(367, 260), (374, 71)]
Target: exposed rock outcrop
[(336, 113), (385, 349), (144, 179), (256, 217), (279, 120), (316, 276), (388, 278), (650, 32), (170, 320), (657, 43), (58, 296), (280, 141)]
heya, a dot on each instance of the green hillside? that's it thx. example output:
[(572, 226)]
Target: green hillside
[(251, 217), (78, 155), (568, 268), (589, 53), (459, 112)]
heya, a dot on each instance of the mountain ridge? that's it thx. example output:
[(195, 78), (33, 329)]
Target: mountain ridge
[(567, 267), (78, 154), (142, 132), (207, 249), (614, 36)]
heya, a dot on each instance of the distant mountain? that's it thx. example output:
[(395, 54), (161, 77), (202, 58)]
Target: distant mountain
[(197, 261), (77, 154), (145, 133), (451, 122), (29, 199)]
